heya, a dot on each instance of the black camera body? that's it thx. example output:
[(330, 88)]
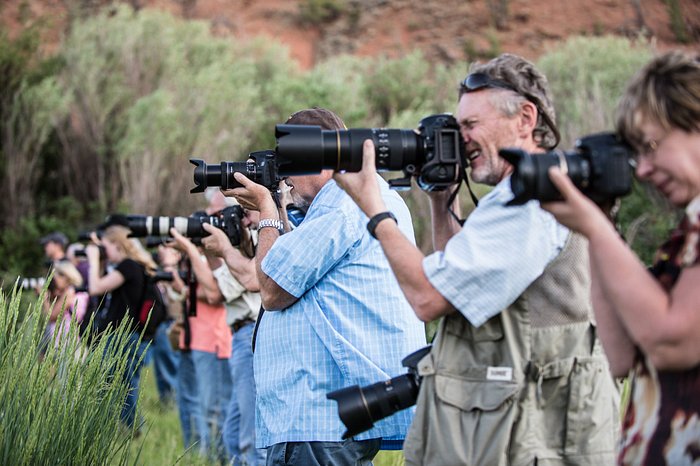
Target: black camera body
[(360, 407), (433, 154), (601, 167), (143, 226)]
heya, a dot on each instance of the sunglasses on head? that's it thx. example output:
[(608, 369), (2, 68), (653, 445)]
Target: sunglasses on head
[(478, 81)]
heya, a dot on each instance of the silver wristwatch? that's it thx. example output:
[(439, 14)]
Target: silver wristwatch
[(271, 223)]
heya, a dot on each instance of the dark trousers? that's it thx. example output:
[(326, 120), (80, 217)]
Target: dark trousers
[(345, 453)]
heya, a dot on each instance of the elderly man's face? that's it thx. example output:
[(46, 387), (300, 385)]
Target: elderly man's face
[(486, 129)]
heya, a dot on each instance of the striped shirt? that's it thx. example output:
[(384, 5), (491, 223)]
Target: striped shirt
[(350, 326)]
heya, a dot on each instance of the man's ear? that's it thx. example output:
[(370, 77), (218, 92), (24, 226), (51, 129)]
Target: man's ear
[(527, 119)]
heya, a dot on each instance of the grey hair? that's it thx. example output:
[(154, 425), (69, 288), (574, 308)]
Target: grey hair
[(531, 85)]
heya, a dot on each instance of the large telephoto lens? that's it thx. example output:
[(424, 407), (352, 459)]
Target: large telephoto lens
[(305, 149), (360, 407), (142, 226)]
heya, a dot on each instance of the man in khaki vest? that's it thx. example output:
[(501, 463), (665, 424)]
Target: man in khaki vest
[(516, 374)]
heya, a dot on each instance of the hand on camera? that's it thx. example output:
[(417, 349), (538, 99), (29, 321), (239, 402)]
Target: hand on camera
[(92, 251), (181, 243), (363, 187), (168, 257), (217, 242), (251, 196), (285, 193), (576, 212)]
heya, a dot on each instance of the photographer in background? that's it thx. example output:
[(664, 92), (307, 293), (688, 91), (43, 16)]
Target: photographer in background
[(204, 385), (54, 245), (516, 374), (126, 282), (334, 316), (239, 286), (62, 302), (649, 323)]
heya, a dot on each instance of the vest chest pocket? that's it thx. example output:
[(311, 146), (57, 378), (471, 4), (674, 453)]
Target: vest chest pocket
[(469, 395), (492, 330)]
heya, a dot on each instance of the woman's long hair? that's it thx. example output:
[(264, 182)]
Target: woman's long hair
[(133, 249)]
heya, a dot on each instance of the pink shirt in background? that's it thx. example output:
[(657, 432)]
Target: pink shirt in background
[(209, 331)]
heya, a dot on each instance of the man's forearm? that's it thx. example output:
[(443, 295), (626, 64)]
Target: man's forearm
[(445, 226), (273, 296), (243, 269), (406, 261), (205, 277)]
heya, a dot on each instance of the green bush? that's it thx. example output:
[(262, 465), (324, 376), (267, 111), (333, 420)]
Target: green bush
[(64, 407), (587, 76)]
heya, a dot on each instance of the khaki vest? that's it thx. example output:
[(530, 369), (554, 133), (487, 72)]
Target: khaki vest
[(530, 386)]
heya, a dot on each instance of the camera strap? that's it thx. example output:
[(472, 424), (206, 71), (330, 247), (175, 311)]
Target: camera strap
[(463, 177)]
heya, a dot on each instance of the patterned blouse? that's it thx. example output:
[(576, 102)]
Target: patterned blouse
[(662, 422)]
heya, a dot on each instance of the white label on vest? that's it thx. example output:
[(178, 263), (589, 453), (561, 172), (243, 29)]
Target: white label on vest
[(499, 373)]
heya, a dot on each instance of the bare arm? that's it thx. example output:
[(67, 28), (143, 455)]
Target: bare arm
[(99, 285), (285, 200), (405, 259), (256, 197), (445, 226), (243, 268), (240, 266), (617, 343), (209, 289)]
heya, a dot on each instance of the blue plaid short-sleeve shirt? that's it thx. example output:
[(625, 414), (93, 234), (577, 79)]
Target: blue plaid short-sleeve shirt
[(350, 326)]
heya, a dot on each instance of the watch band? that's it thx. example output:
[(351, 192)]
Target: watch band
[(271, 223), (374, 221)]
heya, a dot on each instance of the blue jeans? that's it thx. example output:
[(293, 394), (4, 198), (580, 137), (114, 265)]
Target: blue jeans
[(239, 428), (348, 452), (214, 389), (191, 420), (165, 363), (132, 375)]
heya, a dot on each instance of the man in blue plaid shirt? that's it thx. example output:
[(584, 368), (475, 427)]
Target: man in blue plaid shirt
[(335, 317)]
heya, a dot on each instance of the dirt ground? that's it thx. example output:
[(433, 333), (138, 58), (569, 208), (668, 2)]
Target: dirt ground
[(446, 30)]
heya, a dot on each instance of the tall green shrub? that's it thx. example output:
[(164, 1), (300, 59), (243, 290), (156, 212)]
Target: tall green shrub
[(29, 99), (587, 76), (64, 407)]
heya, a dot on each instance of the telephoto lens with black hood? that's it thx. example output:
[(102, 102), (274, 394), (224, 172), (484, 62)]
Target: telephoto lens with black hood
[(360, 407), (433, 153)]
